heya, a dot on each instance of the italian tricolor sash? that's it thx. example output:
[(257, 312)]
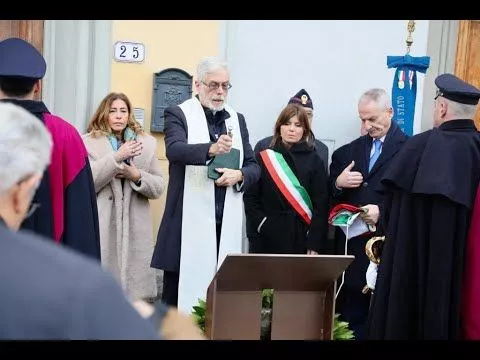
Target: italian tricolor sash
[(288, 184)]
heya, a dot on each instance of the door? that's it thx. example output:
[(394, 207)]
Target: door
[(467, 64), (28, 30)]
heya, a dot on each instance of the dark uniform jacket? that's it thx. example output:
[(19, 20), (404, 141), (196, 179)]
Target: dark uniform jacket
[(68, 211), (430, 191)]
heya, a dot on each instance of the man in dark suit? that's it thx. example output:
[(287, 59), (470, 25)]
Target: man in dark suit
[(355, 173), (202, 222), (304, 99)]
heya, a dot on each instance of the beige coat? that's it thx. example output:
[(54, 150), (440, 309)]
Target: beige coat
[(126, 238)]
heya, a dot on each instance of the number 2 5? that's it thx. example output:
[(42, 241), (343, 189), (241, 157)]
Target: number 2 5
[(123, 48), (135, 52)]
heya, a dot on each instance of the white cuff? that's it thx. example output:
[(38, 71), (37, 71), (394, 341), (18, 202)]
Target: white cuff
[(239, 186), (371, 275)]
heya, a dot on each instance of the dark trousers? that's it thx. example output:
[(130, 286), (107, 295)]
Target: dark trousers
[(170, 279), (353, 307), (170, 288)]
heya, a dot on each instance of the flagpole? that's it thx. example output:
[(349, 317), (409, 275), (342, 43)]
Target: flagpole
[(411, 29)]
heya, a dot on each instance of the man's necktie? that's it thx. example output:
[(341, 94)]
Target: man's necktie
[(378, 150)]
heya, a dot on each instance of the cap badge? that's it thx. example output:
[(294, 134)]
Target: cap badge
[(304, 99)]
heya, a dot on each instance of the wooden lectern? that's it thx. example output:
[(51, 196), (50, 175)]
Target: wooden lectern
[(304, 296)]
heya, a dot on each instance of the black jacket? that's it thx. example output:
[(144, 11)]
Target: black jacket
[(430, 189), (369, 192), (320, 148), (285, 231)]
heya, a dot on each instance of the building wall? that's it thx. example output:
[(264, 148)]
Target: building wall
[(168, 43), (78, 56), (270, 60), (442, 49), (334, 60)]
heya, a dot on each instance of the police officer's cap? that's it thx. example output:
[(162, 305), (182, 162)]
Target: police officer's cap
[(302, 98), (455, 89), (19, 58)]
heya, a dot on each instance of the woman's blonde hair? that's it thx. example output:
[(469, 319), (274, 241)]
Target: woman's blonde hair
[(99, 126)]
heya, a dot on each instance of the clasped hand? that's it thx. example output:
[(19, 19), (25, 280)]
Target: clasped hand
[(129, 172), (128, 150), (229, 177)]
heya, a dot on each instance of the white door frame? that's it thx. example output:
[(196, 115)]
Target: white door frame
[(78, 55)]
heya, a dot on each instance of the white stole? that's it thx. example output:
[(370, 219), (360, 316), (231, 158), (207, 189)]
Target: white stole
[(198, 257)]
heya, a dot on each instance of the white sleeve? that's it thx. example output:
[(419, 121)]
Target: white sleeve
[(371, 275)]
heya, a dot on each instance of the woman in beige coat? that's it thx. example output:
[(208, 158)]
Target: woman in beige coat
[(126, 173)]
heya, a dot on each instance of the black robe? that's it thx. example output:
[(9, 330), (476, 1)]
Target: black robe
[(68, 205), (429, 192)]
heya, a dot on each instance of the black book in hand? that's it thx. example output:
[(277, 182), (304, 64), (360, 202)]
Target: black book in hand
[(230, 160)]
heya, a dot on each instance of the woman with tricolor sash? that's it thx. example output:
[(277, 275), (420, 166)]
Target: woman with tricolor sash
[(289, 204)]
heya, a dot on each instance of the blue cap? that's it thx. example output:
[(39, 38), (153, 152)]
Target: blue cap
[(19, 58), (455, 89)]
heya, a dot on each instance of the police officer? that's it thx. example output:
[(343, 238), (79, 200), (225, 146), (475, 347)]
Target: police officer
[(67, 211), (302, 98)]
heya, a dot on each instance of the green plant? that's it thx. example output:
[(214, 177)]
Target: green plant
[(199, 314), (341, 330), (267, 298)]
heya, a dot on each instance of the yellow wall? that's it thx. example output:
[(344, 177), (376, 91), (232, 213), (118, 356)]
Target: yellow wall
[(168, 43)]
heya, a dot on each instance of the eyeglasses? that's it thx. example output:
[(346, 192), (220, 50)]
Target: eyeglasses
[(215, 85), (437, 94), (33, 207)]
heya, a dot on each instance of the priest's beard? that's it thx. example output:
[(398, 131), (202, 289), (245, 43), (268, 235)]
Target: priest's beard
[(209, 102)]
